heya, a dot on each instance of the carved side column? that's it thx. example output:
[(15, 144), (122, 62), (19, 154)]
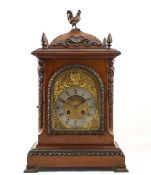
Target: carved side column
[(41, 80), (110, 91)]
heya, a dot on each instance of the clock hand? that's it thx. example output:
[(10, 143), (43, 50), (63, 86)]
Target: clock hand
[(63, 101), (87, 99), (84, 101), (81, 102)]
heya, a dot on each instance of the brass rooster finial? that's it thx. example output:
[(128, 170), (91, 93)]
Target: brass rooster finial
[(73, 20)]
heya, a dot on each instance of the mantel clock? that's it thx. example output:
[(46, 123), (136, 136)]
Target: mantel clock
[(75, 104)]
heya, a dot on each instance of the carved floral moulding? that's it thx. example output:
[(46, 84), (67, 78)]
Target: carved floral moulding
[(76, 39), (110, 90), (41, 80)]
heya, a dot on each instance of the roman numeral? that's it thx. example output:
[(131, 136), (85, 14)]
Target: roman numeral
[(83, 93), (67, 93), (61, 114), (58, 107), (89, 115), (67, 121), (75, 122), (75, 91)]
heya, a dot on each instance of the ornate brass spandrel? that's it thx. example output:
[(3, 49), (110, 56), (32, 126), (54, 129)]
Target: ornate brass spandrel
[(75, 77)]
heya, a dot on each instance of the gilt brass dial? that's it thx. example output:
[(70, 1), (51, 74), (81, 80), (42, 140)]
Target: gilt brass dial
[(76, 101)]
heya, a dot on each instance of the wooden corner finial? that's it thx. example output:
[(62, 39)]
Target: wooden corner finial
[(109, 40), (44, 41), (104, 42)]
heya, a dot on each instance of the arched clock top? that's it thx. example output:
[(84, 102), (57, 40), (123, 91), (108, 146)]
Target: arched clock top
[(76, 38), (68, 86)]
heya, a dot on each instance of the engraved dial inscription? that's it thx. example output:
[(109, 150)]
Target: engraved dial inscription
[(75, 107)]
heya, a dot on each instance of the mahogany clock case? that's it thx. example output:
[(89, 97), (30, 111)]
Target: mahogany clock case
[(88, 148)]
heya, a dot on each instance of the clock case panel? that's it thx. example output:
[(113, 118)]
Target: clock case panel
[(100, 100), (52, 60), (105, 152)]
